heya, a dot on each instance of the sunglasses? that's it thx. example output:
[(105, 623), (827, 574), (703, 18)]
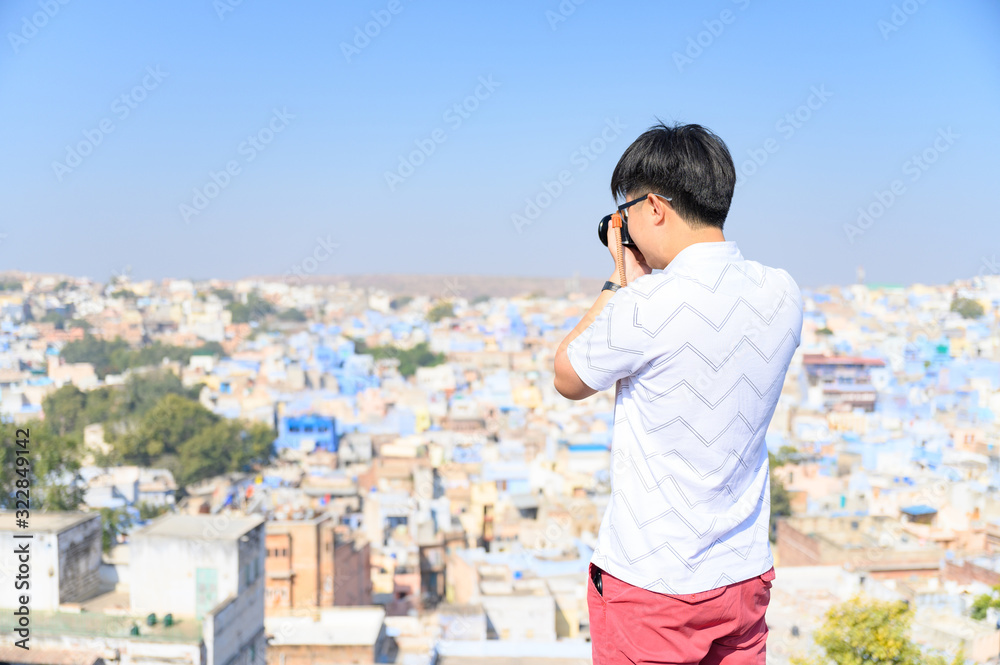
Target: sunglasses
[(605, 223)]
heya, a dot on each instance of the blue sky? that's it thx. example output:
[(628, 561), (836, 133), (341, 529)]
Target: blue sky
[(116, 115)]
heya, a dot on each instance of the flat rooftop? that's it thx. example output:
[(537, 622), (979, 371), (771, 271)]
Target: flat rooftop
[(335, 626), (42, 522), (223, 526)]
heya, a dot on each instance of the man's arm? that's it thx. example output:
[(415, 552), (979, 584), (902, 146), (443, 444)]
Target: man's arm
[(567, 382)]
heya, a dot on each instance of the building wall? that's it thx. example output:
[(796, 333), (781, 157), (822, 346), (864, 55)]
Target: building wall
[(278, 570), (79, 561), (530, 618), (352, 578), (968, 572), (796, 548), (169, 567), (234, 630), (44, 552), (320, 655)]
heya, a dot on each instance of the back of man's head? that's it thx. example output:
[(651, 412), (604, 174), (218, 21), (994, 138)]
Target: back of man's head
[(687, 163)]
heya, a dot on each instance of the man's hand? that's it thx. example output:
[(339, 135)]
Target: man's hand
[(635, 264)]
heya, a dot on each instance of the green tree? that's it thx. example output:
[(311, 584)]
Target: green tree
[(181, 435), (440, 311), (967, 308), (65, 410), (149, 511), (400, 302), (254, 309), (114, 521), (781, 502), (47, 472), (870, 632), (99, 352), (56, 317), (409, 359), (824, 331), (117, 356), (142, 392), (164, 428), (984, 602), (419, 356), (292, 315), (208, 451), (224, 294)]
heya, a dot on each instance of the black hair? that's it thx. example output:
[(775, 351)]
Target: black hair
[(688, 163)]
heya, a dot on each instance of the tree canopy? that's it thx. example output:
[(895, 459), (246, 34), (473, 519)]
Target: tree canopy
[(863, 631), (967, 308), (116, 356)]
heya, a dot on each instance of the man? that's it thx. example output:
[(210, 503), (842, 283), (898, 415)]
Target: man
[(698, 351)]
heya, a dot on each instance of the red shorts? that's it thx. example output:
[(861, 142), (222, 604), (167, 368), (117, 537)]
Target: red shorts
[(629, 624)]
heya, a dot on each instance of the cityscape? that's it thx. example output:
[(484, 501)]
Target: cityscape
[(302, 471), (517, 333)]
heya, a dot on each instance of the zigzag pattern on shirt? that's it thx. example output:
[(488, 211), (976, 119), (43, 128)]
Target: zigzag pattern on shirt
[(691, 563), (745, 339), (683, 306), (701, 534), (743, 378), (708, 442), (712, 289), (639, 352), (727, 488), (656, 483), (716, 327)]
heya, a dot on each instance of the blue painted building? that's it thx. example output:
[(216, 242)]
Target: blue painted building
[(296, 431)]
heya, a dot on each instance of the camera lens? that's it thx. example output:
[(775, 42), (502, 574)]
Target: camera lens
[(602, 229)]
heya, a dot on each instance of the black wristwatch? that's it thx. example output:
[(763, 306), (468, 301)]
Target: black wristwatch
[(611, 286)]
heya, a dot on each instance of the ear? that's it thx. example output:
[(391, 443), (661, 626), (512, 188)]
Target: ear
[(657, 208)]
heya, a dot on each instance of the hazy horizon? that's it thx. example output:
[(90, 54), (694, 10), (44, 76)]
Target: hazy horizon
[(234, 139)]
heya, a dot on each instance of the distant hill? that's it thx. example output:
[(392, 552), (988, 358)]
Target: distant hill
[(461, 286)]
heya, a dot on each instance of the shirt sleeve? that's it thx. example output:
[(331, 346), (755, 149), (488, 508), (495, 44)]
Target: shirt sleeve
[(613, 347)]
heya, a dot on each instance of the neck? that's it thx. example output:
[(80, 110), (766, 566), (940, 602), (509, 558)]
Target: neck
[(693, 237)]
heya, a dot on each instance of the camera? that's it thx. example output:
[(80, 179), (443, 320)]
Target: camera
[(602, 232)]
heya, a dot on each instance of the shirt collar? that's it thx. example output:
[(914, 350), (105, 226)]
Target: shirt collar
[(705, 252)]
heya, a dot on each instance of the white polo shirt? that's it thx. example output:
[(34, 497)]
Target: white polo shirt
[(701, 350)]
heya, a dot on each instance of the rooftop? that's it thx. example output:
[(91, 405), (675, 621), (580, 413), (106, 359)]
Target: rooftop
[(205, 527), (339, 626), (41, 522)]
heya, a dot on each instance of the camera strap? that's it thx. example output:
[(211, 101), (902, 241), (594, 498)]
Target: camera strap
[(616, 232)]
